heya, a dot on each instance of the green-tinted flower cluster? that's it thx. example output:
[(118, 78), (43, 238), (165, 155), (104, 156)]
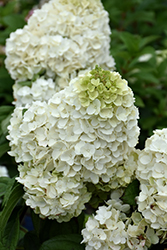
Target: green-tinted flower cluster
[(104, 85)]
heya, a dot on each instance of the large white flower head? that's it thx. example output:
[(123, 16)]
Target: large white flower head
[(62, 37), (50, 194), (152, 174), (98, 120), (89, 127), (110, 229)]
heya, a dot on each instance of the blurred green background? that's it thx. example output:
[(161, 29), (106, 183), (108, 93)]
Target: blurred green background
[(138, 44)]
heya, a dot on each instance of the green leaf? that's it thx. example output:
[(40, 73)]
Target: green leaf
[(31, 241), (94, 202), (142, 16), (148, 122), (70, 227), (4, 75), (162, 68), (37, 222), (146, 40), (139, 102), (81, 220), (7, 9), (14, 21), (5, 123), (147, 76), (131, 41), (64, 242), (2, 189), (5, 110), (46, 229), (131, 192), (4, 183), (4, 148), (25, 83), (10, 236), (9, 187), (15, 194)]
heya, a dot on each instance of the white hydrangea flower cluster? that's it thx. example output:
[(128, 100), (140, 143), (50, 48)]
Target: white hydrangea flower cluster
[(111, 229), (105, 230), (92, 135), (40, 90), (62, 37), (84, 133), (152, 174), (3, 171), (52, 195)]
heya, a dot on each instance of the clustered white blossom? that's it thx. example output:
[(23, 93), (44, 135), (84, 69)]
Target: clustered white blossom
[(62, 37), (40, 90), (52, 195), (89, 130), (91, 134), (111, 229), (3, 171), (49, 192), (152, 174)]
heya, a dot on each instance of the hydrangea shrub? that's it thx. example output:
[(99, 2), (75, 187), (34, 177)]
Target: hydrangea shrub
[(73, 134)]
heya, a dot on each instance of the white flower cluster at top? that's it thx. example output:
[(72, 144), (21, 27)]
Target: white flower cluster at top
[(86, 132), (152, 174), (111, 229), (61, 38)]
